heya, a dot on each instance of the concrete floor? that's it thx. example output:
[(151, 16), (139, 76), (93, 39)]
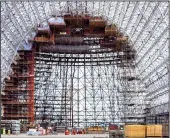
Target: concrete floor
[(59, 136)]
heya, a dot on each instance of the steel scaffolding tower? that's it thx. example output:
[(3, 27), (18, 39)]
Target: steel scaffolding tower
[(18, 97), (91, 86)]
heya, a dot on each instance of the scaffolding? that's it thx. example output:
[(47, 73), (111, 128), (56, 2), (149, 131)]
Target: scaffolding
[(82, 53), (18, 97)]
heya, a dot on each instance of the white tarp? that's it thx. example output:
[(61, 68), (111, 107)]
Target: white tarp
[(58, 20)]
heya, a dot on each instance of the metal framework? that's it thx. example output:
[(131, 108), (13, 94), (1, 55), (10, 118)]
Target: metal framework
[(95, 90), (94, 87), (18, 100)]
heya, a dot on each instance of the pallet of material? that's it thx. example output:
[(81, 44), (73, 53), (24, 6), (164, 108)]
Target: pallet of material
[(116, 133), (165, 130), (96, 132), (32, 133), (99, 137), (134, 137), (135, 131), (154, 137), (15, 132), (154, 130)]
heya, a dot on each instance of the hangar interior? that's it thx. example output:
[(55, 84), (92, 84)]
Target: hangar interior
[(85, 63)]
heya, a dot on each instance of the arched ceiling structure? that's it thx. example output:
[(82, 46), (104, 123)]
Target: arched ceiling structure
[(145, 23)]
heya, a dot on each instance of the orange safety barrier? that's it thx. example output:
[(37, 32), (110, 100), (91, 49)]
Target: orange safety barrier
[(74, 132), (67, 132), (83, 131)]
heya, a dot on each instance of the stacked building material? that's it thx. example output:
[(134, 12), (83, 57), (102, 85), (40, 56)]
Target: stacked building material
[(95, 130), (15, 126), (165, 130), (135, 131), (154, 131), (116, 134)]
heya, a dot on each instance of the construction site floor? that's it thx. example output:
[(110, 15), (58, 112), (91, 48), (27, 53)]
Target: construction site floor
[(59, 136)]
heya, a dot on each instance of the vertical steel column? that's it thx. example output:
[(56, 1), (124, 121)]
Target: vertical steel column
[(63, 98), (92, 89), (65, 92), (71, 95), (78, 96), (169, 65), (85, 90), (31, 86)]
